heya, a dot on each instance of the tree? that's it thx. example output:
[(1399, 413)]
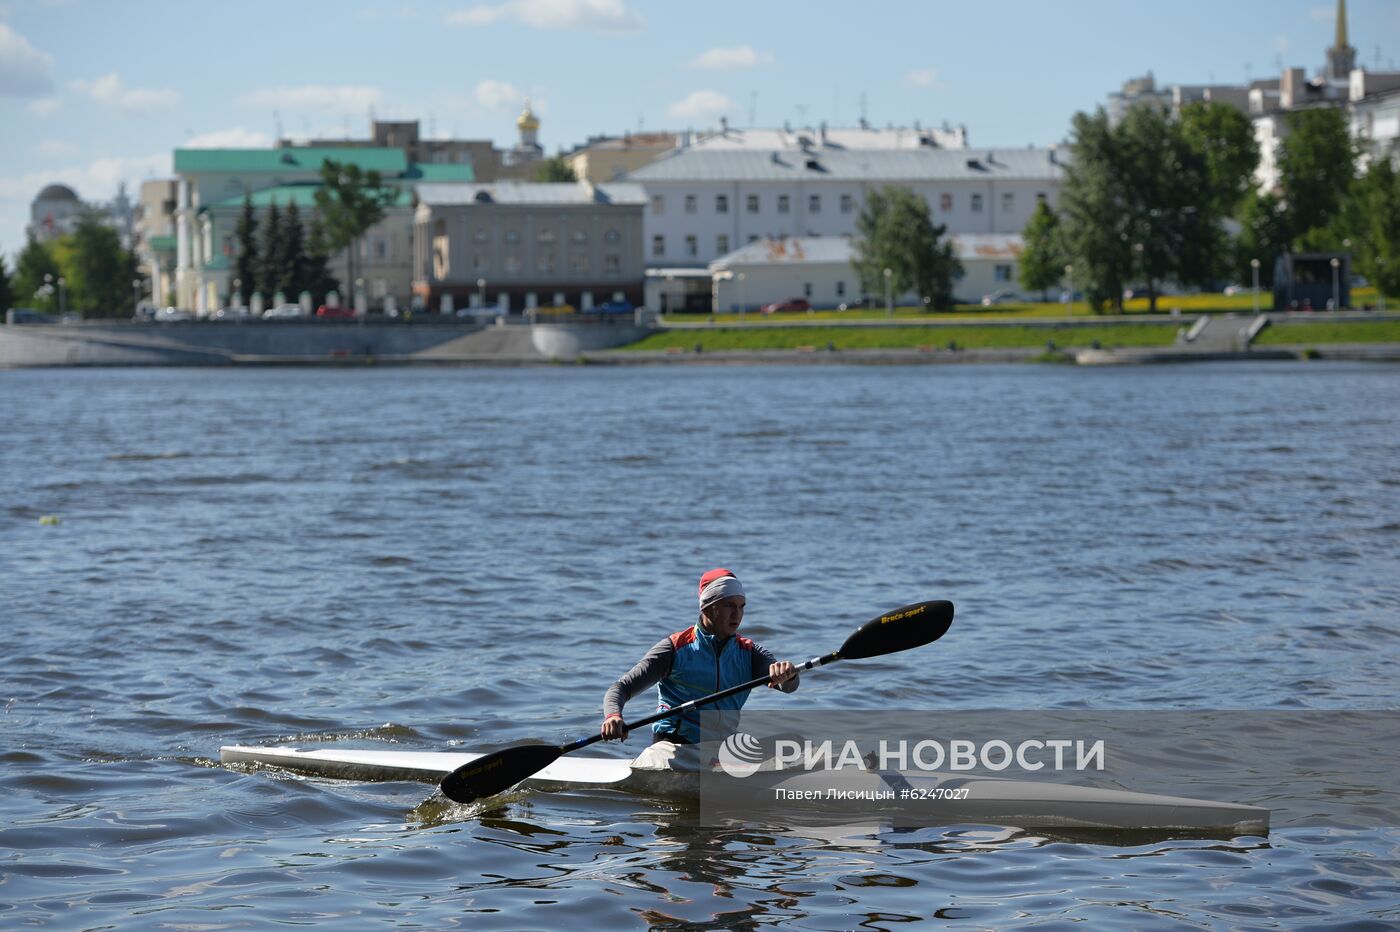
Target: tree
[(1369, 220), (317, 268), (895, 231), (1224, 136), (269, 269), (1042, 260), (555, 169), (7, 295), (245, 268), (350, 201), (35, 262), (1094, 214), (1264, 233), (100, 270), (1316, 162), (291, 260)]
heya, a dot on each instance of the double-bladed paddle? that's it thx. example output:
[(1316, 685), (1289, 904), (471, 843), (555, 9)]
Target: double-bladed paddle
[(902, 629)]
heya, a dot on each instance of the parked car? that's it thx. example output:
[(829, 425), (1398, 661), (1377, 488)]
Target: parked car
[(174, 314), (790, 304), (1001, 297), (284, 312), (326, 312), (27, 315), (237, 312)]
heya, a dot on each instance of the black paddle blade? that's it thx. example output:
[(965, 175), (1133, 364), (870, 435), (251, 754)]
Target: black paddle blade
[(497, 771), (904, 628)]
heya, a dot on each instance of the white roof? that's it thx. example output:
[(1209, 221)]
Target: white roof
[(806, 250), (522, 192), (901, 165), (821, 138)]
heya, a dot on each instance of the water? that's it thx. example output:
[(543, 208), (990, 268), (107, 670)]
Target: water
[(427, 559)]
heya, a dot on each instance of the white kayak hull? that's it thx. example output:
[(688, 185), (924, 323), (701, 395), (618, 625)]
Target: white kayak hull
[(986, 800)]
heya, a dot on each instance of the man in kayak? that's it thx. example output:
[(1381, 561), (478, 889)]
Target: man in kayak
[(704, 658)]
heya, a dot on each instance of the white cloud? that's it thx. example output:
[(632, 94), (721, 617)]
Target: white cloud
[(108, 90), (24, 70), (313, 97), (732, 58), (498, 95), (57, 149), (593, 15), (237, 137), (700, 105), (95, 181), (924, 77), (44, 106)]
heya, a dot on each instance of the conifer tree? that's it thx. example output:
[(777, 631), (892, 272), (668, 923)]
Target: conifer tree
[(245, 267), (269, 273)]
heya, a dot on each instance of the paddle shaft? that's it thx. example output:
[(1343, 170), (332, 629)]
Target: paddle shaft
[(696, 703)]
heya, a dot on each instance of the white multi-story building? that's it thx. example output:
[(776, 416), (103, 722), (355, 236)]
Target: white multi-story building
[(704, 203)]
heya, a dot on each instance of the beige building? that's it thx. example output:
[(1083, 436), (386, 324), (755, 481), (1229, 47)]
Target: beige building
[(610, 159), (516, 246)]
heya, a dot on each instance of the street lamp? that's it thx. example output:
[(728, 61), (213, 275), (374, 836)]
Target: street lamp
[(237, 292), (1336, 284), (1254, 269), (1069, 274), (889, 295)]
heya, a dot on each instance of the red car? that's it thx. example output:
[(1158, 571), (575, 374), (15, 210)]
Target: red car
[(335, 313), (791, 304)]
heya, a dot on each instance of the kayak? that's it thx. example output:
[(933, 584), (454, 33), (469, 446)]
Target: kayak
[(960, 798)]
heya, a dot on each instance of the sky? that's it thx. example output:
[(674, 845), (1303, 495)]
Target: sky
[(96, 92)]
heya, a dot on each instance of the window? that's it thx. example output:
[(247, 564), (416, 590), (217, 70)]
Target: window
[(814, 203), (690, 203), (578, 263), (1001, 273), (751, 203), (722, 244), (848, 204), (658, 204), (379, 248), (1008, 202), (580, 236), (945, 203), (692, 246), (976, 203), (1040, 196), (753, 237), (478, 262), (658, 247), (721, 203), (806, 289), (612, 236), (784, 204), (544, 262), (840, 289), (513, 263), (612, 263), (512, 236), (544, 235)]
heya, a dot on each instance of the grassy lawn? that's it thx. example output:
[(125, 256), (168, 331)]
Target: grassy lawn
[(842, 338), (1368, 331)]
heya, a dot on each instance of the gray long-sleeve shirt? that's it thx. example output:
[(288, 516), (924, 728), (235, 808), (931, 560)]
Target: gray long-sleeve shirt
[(655, 666)]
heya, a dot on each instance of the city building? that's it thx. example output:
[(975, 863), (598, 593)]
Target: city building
[(819, 271), (56, 210), (155, 243), (823, 137), (704, 203), (610, 158), (516, 246), (211, 188)]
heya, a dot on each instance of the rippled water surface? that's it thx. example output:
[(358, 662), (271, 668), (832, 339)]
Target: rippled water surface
[(434, 559)]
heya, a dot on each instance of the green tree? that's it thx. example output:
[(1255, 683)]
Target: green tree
[(1369, 220), (7, 295), (1042, 260), (555, 169), (1264, 233), (350, 201), (270, 239), (245, 268), (291, 261), (317, 270), (35, 262), (1224, 136), (1094, 212), (1316, 163), (895, 231), (99, 271)]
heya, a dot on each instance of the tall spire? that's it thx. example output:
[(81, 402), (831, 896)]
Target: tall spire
[(1341, 57), (1341, 42)]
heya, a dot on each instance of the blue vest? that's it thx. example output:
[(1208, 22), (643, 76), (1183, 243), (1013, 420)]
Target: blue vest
[(701, 667)]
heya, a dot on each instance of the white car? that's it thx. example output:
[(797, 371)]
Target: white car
[(232, 313), (174, 313), (284, 312)]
